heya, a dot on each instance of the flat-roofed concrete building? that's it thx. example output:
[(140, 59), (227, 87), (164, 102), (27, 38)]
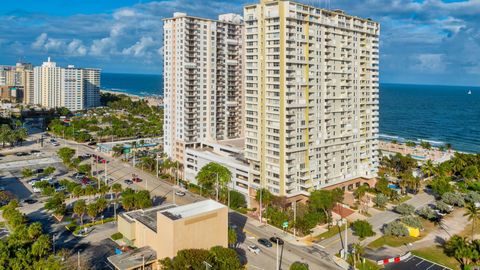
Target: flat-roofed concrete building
[(229, 153), (311, 84), (203, 81), (162, 231)]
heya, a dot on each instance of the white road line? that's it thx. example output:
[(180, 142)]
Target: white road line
[(430, 266), (420, 262)]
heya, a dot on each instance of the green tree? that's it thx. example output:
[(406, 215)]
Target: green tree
[(425, 145), (395, 228), (27, 172), (359, 194), (35, 230), (66, 154), (49, 170), (41, 247), (453, 199), (80, 208), (85, 168), (299, 266), (427, 213), (117, 189), (362, 229), (429, 169), (210, 173), (56, 204), (224, 258), (473, 214), (459, 248), (92, 211), (265, 195), (232, 237), (325, 200), (441, 185), (237, 199)]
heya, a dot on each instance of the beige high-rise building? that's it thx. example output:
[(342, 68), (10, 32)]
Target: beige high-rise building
[(71, 87), (311, 97), (21, 77), (203, 89)]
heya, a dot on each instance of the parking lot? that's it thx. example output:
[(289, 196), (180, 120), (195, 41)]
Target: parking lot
[(415, 263)]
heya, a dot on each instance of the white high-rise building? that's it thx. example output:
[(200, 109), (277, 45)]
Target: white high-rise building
[(311, 97), (203, 81), (71, 87)]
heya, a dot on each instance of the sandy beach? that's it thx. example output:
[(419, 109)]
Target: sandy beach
[(152, 101)]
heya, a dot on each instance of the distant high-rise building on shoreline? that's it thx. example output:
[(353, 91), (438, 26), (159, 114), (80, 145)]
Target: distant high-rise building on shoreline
[(203, 81), (20, 78), (71, 87), (311, 97)]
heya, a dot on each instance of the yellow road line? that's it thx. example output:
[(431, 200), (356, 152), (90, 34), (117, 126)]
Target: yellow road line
[(248, 232)]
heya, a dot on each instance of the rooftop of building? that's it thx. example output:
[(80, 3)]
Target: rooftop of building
[(133, 258), (193, 209), (230, 18), (148, 217), (235, 143), (229, 151)]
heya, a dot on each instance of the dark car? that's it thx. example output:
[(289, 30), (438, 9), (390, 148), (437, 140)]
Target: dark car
[(265, 242), (39, 171), (92, 143), (136, 180), (128, 182), (276, 240), (30, 201), (21, 154), (34, 151)]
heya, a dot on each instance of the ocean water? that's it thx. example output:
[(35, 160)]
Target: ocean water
[(438, 114)]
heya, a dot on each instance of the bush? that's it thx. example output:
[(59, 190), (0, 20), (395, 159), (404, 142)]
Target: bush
[(362, 228), (455, 199), (299, 266), (412, 222), (395, 228), (116, 236), (442, 206), (237, 199), (472, 197), (380, 200), (427, 213), (405, 209)]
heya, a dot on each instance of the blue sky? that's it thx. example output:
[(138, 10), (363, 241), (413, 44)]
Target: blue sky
[(422, 41)]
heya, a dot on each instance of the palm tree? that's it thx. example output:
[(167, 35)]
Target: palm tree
[(473, 215), (359, 251), (429, 169), (79, 208)]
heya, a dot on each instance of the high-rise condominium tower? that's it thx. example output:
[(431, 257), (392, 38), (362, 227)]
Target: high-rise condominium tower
[(203, 90), (71, 87), (20, 77), (311, 96)]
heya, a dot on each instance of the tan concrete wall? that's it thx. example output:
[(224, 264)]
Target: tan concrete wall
[(144, 236), (204, 231), (201, 231), (126, 228)]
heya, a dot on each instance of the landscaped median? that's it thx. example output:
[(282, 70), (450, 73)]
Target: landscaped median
[(76, 229)]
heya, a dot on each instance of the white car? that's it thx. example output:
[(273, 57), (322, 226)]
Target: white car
[(179, 193), (254, 249)]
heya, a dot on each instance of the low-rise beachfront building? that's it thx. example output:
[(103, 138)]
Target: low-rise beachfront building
[(228, 153), (162, 231)]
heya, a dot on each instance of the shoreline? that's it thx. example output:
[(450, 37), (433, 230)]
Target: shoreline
[(151, 100)]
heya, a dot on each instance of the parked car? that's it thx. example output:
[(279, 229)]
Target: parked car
[(136, 180), (128, 181), (33, 182), (34, 151), (92, 143), (180, 193), (275, 239), (55, 144), (254, 249), (21, 154), (37, 190), (265, 242), (78, 176), (39, 171), (30, 201)]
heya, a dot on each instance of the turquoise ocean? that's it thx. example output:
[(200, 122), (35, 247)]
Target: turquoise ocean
[(438, 114)]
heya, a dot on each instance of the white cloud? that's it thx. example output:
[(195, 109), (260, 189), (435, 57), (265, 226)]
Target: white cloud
[(140, 48), (40, 41), (430, 63)]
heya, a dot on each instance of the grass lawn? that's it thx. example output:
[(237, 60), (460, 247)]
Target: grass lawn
[(395, 241), (467, 231), (368, 265), (333, 231), (435, 254), (401, 200)]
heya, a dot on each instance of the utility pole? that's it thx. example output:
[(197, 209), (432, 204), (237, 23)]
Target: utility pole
[(295, 218), (276, 260), (260, 205), (217, 187), (105, 161), (157, 165), (346, 242), (78, 259)]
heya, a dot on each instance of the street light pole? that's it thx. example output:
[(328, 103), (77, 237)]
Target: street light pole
[(157, 165), (276, 260), (260, 205), (217, 187), (295, 218)]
